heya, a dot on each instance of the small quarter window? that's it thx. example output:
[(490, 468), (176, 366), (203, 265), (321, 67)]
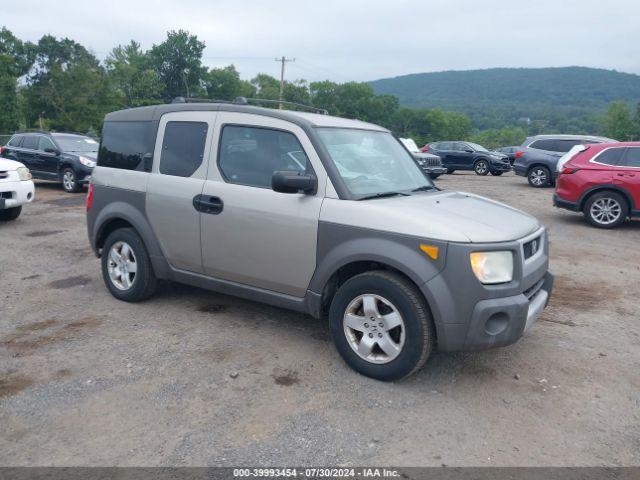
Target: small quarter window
[(250, 155), (182, 148), (15, 141), (124, 145), (547, 145), (610, 156)]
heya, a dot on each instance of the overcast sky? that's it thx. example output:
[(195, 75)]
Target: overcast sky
[(354, 39)]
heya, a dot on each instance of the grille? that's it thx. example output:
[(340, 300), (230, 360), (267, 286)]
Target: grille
[(6, 194), (4, 174), (532, 247), (431, 162)]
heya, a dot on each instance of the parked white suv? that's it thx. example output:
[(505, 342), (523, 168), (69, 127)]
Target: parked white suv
[(16, 188), (318, 214)]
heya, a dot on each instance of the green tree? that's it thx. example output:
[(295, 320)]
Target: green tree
[(132, 77), (502, 137), (618, 122), (225, 84), (178, 63), (16, 58)]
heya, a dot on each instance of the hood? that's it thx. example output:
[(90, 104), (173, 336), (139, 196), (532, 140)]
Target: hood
[(9, 165), (90, 155), (447, 216)]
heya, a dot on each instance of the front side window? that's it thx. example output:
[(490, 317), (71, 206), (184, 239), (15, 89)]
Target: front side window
[(633, 157), (182, 148), (610, 156), (371, 162), (124, 145), (44, 143), (250, 155)]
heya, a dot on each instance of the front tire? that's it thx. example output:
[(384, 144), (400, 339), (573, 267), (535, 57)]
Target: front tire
[(606, 210), (481, 167), (9, 214), (450, 171), (126, 267), (70, 181), (434, 175), (539, 177), (381, 325), (496, 174)]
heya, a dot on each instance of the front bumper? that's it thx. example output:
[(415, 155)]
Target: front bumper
[(471, 316), (14, 194), (434, 170)]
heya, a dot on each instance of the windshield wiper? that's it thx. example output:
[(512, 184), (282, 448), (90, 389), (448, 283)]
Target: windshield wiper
[(383, 195), (424, 188)]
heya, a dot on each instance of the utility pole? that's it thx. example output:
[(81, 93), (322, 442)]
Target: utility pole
[(283, 60)]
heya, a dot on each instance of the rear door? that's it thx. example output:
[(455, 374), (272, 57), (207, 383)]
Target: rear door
[(176, 178), (27, 152), (628, 175)]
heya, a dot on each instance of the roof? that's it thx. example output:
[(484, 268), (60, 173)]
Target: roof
[(572, 137), (154, 112)]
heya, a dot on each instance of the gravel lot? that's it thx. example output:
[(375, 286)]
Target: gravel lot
[(88, 380)]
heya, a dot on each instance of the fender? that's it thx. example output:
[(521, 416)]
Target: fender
[(607, 186), (340, 245), (130, 207)]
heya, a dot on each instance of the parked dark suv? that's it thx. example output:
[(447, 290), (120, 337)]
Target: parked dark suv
[(537, 158), (63, 157), (469, 156)]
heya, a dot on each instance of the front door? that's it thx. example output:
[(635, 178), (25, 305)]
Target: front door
[(177, 177), (255, 236), (48, 161)]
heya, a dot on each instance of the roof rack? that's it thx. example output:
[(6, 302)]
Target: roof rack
[(246, 101)]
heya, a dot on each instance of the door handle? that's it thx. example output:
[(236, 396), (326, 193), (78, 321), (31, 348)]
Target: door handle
[(208, 204), (626, 175)]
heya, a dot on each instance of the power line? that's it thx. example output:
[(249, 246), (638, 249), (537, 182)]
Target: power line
[(283, 60)]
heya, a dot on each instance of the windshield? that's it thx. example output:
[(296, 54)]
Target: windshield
[(476, 147), (76, 143), (372, 162)]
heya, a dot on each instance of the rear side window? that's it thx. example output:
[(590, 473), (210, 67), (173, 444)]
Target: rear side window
[(444, 146), (30, 142), (610, 156), (182, 148), (547, 144), (15, 141), (633, 157), (250, 155), (565, 145), (124, 145)]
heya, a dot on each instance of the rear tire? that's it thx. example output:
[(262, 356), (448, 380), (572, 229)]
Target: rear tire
[(70, 181), (539, 176), (481, 167), (606, 209), (381, 325), (126, 268), (8, 214)]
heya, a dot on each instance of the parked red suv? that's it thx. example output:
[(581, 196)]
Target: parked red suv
[(602, 181)]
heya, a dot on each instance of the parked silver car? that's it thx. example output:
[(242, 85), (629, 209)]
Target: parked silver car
[(318, 214)]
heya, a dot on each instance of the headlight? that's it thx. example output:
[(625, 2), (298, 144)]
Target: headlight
[(24, 174), (87, 162), (492, 267)]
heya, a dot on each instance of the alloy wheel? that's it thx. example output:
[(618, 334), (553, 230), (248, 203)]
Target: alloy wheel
[(122, 266), (374, 328), (538, 177), (481, 167), (69, 180), (605, 211)]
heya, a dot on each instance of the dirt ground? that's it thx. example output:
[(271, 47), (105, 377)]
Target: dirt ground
[(195, 378)]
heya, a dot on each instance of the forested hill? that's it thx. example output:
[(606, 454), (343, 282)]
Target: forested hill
[(500, 96)]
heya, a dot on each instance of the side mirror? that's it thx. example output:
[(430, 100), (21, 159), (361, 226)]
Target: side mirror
[(468, 150), (54, 151), (293, 182)]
